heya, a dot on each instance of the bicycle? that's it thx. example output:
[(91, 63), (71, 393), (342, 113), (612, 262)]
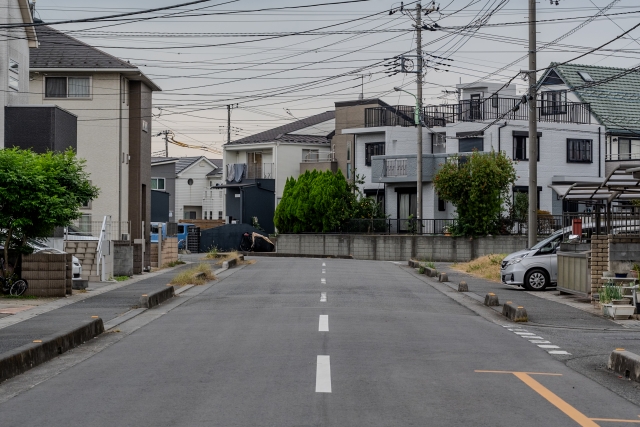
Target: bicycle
[(11, 284)]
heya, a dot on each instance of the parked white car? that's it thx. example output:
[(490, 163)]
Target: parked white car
[(536, 268), (41, 247)]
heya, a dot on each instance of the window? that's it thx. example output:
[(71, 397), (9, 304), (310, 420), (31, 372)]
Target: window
[(67, 87), (554, 102), (190, 214), (579, 150), (219, 214), (157, 184), (467, 145), (180, 229), (14, 76), (521, 145), (585, 76), (524, 189), (438, 143), (474, 107), (310, 155), (373, 149), (628, 149), (442, 205)]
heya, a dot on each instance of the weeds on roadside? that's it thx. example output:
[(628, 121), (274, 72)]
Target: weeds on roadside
[(121, 278), (192, 276), (18, 297), (486, 267), (212, 254), (421, 269), (173, 263)]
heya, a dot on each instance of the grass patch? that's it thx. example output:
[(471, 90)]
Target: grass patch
[(188, 276), (486, 267), (173, 263), (19, 297), (212, 254), (121, 278)]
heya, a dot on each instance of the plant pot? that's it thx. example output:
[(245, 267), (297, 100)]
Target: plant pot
[(607, 274), (619, 312), (447, 234), (633, 273), (623, 301)]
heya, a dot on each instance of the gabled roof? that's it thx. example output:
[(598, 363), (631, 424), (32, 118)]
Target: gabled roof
[(57, 50), (281, 133), (614, 94), (163, 160), (218, 170), (185, 163)]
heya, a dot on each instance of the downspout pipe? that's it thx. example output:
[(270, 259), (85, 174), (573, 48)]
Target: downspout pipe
[(599, 152), (499, 134)]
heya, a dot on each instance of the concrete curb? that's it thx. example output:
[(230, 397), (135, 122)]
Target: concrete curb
[(515, 312), (156, 298), (625, 363), (230, 264), (285, 255), (23, 358)]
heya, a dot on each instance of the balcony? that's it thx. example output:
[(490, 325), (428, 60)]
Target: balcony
[(318, 160), (494, 108), (402, 168)]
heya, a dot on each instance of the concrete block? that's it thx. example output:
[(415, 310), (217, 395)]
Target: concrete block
[(443, 277), (79, 284), (517, 313), (625, 363), (21, 359), (462, 287), (491, 300), (156, 298)]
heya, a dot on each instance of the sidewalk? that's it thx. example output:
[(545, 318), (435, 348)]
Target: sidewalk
[(112, 300)]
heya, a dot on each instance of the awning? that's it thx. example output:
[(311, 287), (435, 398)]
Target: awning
[(620, 184)]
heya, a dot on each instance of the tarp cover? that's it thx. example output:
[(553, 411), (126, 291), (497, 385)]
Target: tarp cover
[(255, 242)]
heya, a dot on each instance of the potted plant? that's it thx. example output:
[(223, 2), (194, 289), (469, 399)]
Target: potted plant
[(635, 269), (446, 230), (612, 302)]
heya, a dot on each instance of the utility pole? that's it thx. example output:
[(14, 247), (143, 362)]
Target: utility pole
[(229, 108), (533, 130), (166, 134), (419, 113)]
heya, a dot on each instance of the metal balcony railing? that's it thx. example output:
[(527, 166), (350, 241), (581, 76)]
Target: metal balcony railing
[(260, 171), (319, 156), (395, 167), (471, 110)]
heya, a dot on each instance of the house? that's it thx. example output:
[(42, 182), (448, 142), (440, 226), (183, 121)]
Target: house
[(112, 100), (257, 167), (188, 180), (571, 146), (22, 125)]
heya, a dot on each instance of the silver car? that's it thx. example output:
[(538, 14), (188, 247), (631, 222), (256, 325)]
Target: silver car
[(534, 269)]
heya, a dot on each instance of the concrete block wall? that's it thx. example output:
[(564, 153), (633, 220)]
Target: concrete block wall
[(599, 260), (138, 258), (624, 252), (122, 258), (398, 248), (86, 252), (48, 275), (169, 251)]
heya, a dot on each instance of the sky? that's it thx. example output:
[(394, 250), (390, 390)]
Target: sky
[(276, 66)]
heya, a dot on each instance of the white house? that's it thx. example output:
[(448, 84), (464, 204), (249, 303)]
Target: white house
[(571, 146)]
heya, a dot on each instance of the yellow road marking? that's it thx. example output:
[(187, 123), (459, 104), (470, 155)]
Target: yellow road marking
[(616, 421), (512, 372), (556, 401)]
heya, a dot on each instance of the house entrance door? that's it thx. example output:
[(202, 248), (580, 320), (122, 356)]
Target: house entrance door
[(407, 207)]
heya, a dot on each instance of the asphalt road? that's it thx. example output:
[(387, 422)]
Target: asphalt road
[(253, 350)]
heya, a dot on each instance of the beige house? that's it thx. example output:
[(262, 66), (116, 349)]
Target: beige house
[(112, 100)]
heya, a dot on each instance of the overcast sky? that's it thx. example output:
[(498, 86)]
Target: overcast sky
[(204, 60)]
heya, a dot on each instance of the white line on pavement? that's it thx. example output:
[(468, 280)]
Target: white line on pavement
[(324, 265), (323, 281), (324, 271), (523, 333), (532, 338), (539, 342), (323, 324), (323, 375), (548, 346), (559, 352), (323, 297)]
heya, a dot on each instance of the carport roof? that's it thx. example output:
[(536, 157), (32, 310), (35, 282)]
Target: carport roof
[(620, 184)]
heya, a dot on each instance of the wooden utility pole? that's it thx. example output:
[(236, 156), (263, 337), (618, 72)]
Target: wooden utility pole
[(419, 114)]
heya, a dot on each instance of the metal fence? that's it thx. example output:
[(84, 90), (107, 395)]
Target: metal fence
[(114, 230)]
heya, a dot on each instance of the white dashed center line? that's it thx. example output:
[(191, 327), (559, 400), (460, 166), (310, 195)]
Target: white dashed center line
[(559, 352), (323, 281), (324, 265), (323, 324), (548, 346), (324, 271), (323, 375), (323, 297), (523, 333), (534, 339), (539, 342)]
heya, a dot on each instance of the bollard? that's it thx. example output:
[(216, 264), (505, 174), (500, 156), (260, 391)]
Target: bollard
[(443, 277), (491, 300), (462, 287), (515, 312)]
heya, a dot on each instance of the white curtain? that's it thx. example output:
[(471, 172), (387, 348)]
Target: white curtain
[(79, 87)]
